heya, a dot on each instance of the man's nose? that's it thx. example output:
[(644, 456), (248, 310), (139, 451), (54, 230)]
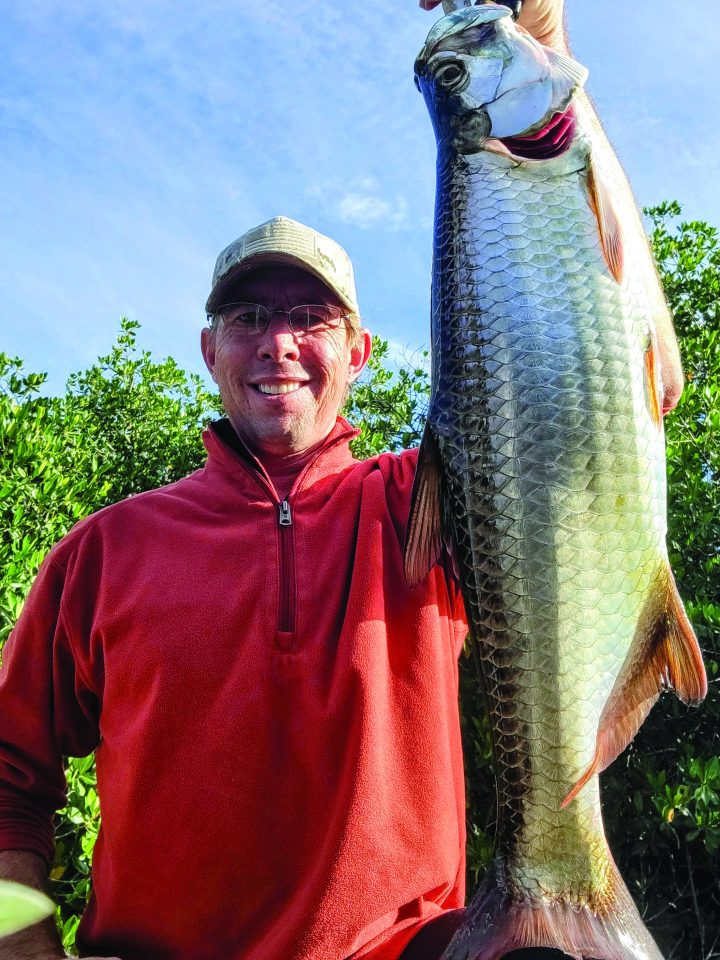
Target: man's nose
[(278, 342)]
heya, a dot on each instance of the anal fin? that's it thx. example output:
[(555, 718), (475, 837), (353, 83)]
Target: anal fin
[(664, 656)]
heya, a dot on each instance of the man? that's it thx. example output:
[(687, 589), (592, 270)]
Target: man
[(274, 711)]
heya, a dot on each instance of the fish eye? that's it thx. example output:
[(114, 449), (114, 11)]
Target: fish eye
[(450, 74)]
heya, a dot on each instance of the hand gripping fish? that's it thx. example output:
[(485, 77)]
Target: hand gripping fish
[(542, 472)]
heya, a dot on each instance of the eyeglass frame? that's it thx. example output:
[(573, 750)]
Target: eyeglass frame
[(264, 313)]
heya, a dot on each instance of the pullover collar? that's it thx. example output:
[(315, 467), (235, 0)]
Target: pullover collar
[(228, 454)]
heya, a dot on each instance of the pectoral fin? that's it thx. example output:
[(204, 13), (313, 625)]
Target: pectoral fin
[(424, 540), (611, 236), (567, 76), (664, 656)]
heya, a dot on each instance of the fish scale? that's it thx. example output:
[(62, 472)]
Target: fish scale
[(542, 472)]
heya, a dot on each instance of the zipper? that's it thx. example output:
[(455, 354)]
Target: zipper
[(286, 617), (286, 558), (287, 587)]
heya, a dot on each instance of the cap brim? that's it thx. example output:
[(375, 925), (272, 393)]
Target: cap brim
[(257, 260)]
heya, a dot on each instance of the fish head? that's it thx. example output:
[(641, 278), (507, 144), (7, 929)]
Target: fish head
[(484, 78)]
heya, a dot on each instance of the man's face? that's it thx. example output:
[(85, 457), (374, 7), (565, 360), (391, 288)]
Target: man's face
[(317, 366)]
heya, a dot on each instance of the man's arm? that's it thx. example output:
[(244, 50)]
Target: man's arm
[(544, 20), (46, 713)]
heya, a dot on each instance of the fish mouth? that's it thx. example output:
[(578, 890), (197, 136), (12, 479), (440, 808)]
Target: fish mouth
[(551, 140)]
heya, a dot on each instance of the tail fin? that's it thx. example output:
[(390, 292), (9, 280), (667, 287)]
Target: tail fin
[(495, 925)]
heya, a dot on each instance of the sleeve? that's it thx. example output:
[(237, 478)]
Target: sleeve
[(398, 472), (47, 710)]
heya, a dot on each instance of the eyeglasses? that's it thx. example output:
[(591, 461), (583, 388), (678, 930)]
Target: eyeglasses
[(251, 319)]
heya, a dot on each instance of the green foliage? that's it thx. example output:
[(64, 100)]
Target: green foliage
[(143, 416), (75, 836), (124, 425), (388, 406), (40, 496)]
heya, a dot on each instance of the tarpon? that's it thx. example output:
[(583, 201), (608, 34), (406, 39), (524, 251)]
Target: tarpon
[(542, 473)]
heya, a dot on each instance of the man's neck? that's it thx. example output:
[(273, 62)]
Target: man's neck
[(284, 469)]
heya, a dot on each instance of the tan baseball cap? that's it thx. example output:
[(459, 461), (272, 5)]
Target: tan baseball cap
[(282, 240)]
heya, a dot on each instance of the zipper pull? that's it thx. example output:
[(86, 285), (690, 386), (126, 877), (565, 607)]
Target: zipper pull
[(285, 515)]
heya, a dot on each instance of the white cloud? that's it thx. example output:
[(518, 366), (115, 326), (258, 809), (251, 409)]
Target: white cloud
[(362, 205), (365, 210)]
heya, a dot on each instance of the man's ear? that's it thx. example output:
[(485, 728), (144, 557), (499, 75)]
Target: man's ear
[(207, 345), (359, 355)]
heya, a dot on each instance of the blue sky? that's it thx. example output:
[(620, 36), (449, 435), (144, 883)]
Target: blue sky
[(139, 139)]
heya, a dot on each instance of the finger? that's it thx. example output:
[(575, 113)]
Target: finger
[(672, 391), (544, 19), (430, 4), (672, 376)]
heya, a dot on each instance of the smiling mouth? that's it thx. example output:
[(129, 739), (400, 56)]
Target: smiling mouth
[(273, 389)]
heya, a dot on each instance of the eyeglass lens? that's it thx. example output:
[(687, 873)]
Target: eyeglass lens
[(254, 318)]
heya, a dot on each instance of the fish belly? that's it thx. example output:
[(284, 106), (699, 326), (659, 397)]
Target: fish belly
[(554, 486)]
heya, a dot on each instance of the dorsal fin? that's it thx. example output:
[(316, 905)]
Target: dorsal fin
[(611, 236)]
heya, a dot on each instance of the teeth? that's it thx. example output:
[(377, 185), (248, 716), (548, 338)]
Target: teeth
[(275, 388)]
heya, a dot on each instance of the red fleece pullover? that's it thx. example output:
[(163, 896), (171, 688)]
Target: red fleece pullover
[(274, 713)]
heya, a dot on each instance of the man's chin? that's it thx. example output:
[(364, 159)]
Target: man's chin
[(282, 434)]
